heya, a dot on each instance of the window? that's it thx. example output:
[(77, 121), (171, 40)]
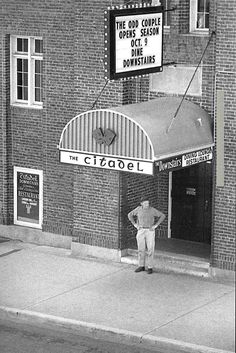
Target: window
[(199, 15), (166, 18), (26, 71)]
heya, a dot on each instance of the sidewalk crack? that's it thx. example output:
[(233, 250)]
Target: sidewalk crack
[(185, 314), (70, 290), (10, 252)]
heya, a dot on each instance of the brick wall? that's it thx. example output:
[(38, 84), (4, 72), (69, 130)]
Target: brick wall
[(223, 255), (5, 140), (96, 207), (89, 55), (95, 191), (185, 48), (179, 22), (218, 68), (73, 77), (35, 133), (136, 90)]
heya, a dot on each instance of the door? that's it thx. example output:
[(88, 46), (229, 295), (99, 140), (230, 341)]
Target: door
[(191, 203)]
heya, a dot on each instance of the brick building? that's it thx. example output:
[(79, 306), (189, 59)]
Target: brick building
[(52, 70)]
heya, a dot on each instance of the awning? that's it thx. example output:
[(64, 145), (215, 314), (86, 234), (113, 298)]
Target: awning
[(190, 131), (139, 131)]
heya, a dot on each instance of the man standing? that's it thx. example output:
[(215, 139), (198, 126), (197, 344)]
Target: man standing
[(146, 219)]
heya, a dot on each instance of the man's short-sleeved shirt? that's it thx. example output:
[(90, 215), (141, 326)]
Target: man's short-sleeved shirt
[(145, 216)]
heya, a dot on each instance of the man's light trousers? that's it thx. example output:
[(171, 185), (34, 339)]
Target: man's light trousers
[(146, 238)]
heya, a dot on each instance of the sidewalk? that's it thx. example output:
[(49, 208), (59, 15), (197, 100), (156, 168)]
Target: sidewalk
[(171, 311)]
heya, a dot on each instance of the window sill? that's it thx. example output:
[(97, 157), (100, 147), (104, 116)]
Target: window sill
[(26, 106), (203, 33)]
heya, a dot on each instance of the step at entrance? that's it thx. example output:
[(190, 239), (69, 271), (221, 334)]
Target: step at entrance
[(171, 262)]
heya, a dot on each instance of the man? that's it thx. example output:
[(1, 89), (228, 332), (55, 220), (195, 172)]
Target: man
[(146, 219)]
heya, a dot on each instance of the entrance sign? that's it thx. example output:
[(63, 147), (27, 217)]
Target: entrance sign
[(133, 41), (185, 160), (107, 162), (169, 164), (28, 201), (197, 157)]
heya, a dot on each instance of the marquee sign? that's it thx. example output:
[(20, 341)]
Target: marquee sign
[(107, 162), (185, 160), (133, 41)]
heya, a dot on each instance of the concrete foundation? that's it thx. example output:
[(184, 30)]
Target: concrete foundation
[(226, 275), (36, 236), (85, 250)]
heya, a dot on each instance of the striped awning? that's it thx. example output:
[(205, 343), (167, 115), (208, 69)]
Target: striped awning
[(130, 140), (140, 130)]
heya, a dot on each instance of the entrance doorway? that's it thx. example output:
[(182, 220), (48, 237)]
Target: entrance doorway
[(191, 203)]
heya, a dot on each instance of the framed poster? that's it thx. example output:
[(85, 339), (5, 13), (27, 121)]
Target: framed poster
[(28, 197)]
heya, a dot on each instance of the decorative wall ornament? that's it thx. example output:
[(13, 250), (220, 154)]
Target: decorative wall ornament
[(106, 137)]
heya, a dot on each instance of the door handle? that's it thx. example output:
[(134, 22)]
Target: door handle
[(206, 205)]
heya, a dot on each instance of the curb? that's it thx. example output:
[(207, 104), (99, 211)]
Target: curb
[(104, 332)]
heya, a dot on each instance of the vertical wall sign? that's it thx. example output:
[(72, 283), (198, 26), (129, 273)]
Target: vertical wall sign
[(28, 197), (133, 41)]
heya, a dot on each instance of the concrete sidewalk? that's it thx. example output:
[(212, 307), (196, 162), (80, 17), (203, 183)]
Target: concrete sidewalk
[(171, 311)]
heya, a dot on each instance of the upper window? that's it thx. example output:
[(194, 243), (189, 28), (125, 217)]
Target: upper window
[(199, 15), (26, 71)]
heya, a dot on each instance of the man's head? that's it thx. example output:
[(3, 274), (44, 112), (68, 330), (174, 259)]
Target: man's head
[(144, 201)]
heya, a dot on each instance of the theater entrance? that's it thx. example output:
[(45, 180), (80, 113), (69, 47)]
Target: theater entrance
[(191, 203)]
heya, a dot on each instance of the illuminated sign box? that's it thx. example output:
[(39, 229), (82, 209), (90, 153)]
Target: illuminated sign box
[(133, 42)]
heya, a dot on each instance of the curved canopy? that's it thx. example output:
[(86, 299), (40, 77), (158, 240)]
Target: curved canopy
[(191, 129), (140, 130)]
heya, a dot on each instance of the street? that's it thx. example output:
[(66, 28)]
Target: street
[(25, 338)]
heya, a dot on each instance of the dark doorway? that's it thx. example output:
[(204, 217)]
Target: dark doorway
[(191, 203)]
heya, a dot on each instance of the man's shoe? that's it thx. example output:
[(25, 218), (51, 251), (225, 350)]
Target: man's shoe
[(140, 268), (149, 271)]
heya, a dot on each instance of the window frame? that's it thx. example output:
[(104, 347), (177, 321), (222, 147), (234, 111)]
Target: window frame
[(193, 19), (31, 56)]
